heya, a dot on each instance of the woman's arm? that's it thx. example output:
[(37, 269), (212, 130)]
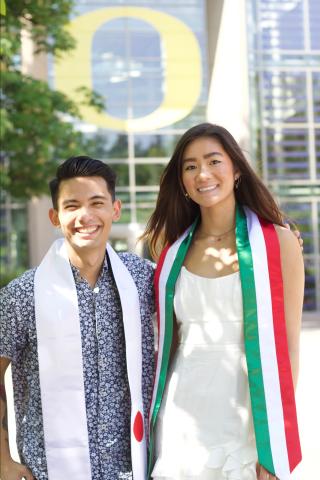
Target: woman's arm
[(293, 285)]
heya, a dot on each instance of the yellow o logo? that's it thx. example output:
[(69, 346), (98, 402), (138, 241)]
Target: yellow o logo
[(180, 55)]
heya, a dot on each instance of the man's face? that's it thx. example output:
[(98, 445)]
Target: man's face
[(85, 213)]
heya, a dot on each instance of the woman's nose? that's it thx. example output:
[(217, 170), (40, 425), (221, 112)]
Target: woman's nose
[(203, 172)]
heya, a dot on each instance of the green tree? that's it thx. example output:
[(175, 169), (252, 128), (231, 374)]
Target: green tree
[(36, 131)]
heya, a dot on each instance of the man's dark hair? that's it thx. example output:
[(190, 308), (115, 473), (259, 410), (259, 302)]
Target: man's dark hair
[(81, 166)]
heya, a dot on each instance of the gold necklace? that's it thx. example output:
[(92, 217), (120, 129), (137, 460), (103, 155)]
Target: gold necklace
[(217, 238)]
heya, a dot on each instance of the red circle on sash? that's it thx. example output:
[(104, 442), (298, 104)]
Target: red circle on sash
[(138, 427)]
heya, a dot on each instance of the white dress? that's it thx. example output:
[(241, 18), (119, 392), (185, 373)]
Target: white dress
[(204, 429)]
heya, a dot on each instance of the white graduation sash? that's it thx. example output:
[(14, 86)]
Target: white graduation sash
[(61, 365)]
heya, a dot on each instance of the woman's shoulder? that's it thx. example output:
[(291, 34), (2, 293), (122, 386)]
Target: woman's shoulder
[(287, 238), (290, 248)]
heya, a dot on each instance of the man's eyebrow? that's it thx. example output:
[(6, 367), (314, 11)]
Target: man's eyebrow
[(74, 200), (98, 197), (70, 200), (207, 155)]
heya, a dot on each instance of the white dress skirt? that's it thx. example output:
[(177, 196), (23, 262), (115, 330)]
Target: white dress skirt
[(204, 429)]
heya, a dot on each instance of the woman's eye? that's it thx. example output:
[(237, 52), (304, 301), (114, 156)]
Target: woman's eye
[(190, 167)]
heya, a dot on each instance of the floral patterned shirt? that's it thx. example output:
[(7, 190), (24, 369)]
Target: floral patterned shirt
[(107, 393)]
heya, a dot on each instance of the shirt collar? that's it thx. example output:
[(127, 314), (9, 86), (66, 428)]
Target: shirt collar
[(103, 271)]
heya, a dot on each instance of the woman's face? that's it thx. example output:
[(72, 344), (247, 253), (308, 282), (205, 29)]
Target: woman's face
[(208, 174)]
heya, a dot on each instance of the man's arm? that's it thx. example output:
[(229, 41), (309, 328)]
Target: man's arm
[(9, 469)]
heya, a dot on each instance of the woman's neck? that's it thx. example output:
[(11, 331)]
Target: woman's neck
[(218, 219)]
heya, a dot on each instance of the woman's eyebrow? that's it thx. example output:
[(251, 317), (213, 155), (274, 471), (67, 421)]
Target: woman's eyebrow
[(207, 155)]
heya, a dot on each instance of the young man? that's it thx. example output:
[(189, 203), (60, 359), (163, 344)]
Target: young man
[(78, 332)]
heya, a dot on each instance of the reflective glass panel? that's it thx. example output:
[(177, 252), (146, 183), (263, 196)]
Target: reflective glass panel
[(145, 205), (287, 154), (284, 97), (314, 19), (122, 73), (122, 171), (317, 141), (282, 24), (148, 174), (310, 285), (300, 214), (316, 95), (108, 145), (155, 145)]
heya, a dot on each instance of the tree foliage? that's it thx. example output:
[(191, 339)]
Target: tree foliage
[(36, 132)]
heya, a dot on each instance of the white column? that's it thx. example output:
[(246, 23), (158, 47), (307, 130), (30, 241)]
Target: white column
[(228, 103), (41, 231)]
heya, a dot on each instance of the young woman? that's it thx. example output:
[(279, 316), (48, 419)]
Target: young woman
[(229, 286)]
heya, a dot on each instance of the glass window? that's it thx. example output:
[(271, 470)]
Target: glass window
[(146, 198), (108, 145), (13, 241), (316, 95), (317, 141), (155, 145), (126, 206), (148, 174), (287, 154), (300, 213), (310, 285), (284, 97), (144, 40), (122, 171), (143, 214), (145, 205), (282, 24), (121, 70), (314, 19)]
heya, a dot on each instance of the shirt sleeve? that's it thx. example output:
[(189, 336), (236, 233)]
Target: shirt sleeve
[(13, 326)]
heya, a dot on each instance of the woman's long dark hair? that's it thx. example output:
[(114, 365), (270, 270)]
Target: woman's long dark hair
[(174, 212)]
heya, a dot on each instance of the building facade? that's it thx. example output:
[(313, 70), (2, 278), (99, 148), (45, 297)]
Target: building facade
[(284, 72), (250, 65)]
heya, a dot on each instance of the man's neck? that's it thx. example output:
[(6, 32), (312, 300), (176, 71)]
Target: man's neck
[(89, 263)]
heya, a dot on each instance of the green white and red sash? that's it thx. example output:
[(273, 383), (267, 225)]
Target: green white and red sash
[(61, 365), (266, 348)]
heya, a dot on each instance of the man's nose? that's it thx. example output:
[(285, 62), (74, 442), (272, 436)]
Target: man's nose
[(84, 214)]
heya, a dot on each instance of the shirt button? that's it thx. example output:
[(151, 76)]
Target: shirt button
[(96, 289)]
